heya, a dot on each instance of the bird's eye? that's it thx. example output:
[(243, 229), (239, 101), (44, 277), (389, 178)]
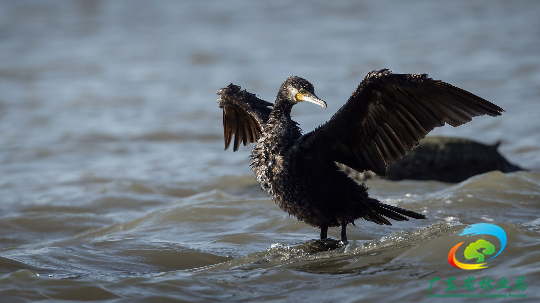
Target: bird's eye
[(302, 91)]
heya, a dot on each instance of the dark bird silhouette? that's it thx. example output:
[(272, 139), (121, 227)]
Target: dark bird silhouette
[(384, 118)]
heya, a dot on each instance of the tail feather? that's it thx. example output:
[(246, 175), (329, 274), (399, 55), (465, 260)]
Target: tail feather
[(378, 211)]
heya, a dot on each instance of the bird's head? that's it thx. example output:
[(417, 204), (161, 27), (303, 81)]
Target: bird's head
[(296, 89)]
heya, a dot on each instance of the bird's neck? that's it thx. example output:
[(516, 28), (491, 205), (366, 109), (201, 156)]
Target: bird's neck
[(280, 128), (282, 106)]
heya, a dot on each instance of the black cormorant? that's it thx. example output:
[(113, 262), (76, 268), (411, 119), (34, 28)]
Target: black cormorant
[(384, 118)]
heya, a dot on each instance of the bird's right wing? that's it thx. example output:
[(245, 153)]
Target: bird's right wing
[(387, 115), (244, 115)]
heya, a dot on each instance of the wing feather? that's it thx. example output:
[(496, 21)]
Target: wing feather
[(244, 115), (387, 115)]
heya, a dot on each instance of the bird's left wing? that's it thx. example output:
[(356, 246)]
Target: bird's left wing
[(244, 115), (387, 115)]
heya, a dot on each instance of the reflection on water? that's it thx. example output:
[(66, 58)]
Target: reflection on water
[(113, 180)]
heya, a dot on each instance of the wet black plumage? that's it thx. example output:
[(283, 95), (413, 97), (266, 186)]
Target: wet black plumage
[(384, 118)]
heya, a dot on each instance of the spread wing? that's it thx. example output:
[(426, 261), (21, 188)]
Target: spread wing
[(244, 115), (387, 115)]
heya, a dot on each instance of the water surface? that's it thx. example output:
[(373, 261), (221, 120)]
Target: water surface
[(113, 180)]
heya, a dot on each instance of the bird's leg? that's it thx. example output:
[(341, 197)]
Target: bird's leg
[(344, 233), (324, 231)]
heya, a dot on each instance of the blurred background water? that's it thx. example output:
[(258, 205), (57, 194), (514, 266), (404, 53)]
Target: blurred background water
[(113, 180)]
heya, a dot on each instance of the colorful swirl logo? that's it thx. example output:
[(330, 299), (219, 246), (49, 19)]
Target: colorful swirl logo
[(478, 250)]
